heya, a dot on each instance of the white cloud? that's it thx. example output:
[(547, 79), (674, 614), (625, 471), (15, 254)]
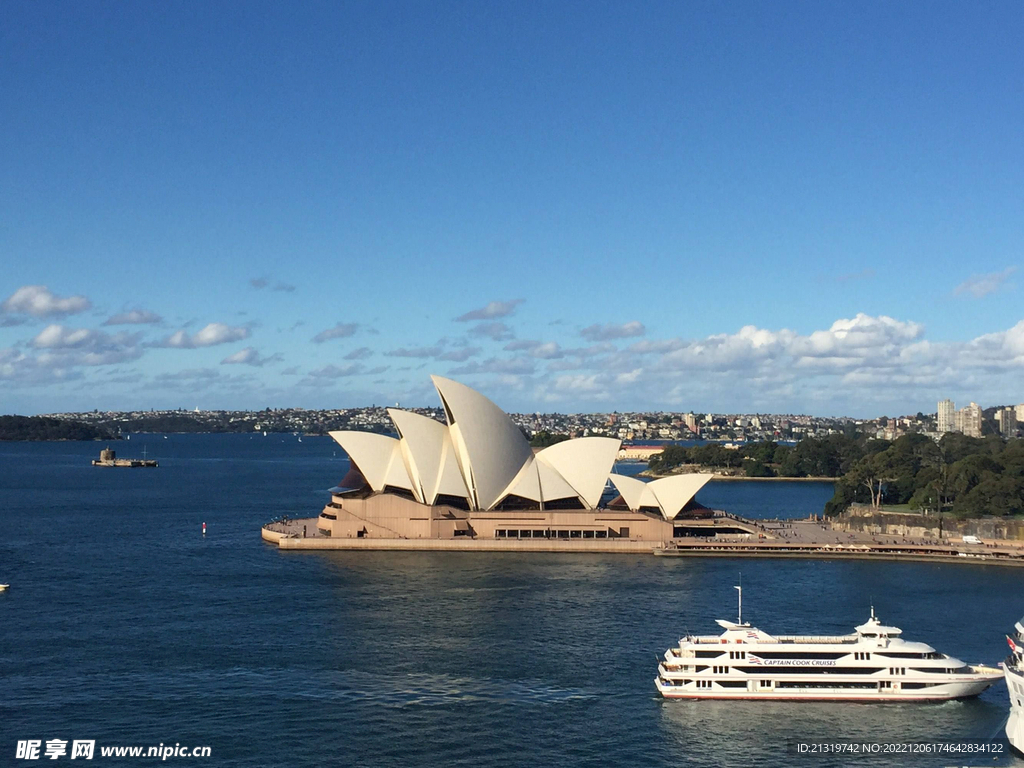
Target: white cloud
[(134, 317), (855, 363), (337, 371), (492, 310), (496, 331), (422, 352), (543, 350), (19, 369), (359, 354), (613, 331), (514, 365), (39, 301), (459, 354), (189, 375), (62, 347), (339, 331), (978, 286), (191, 380), (249, 356), (211, 335)]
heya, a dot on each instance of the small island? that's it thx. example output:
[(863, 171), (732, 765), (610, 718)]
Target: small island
[(108, 458), (38, 428)]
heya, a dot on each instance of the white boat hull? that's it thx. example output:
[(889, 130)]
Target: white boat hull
[(1015, 722), (943, 692)]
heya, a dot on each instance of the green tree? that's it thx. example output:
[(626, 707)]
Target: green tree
[(755, 468), (543, 439)]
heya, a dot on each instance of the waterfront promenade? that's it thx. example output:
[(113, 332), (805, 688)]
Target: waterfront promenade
[(808, 539)]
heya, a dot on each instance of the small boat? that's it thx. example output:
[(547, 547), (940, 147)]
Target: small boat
[(3, 587)]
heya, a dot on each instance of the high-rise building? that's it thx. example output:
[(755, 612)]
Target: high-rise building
[(946, 416), (969, 420), (1007, 418), (691, 422), (1020, 412)]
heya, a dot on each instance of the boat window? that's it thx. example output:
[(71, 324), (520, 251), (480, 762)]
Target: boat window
[(894, 655), (813, 670)]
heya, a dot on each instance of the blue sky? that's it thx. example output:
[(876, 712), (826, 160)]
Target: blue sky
[(795, 207)]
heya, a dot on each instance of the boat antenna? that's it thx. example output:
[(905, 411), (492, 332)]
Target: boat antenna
[(739, 597)]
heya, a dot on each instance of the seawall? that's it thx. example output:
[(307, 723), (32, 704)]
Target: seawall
[(624, 546), (864, 519)]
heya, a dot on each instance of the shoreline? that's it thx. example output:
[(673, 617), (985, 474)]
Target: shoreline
[(744, 478), (289, 536)]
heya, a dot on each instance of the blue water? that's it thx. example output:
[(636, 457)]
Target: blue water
[(125, 625)]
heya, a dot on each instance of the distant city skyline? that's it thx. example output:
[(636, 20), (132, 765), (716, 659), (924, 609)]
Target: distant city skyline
[(679, 207)]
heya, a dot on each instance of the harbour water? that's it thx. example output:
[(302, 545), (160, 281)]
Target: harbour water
[(125, 625)]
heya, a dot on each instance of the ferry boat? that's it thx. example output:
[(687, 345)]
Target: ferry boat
[(1013, 668), (873, 664)]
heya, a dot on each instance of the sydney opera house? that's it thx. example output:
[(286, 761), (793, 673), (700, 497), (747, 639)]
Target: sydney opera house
[(476, 476)]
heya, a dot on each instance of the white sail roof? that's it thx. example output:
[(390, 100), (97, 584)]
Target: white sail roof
[(486, 439), (636, 493), (370, 452), (526, 484), (421, 438), (553, 485), (669, 494), (430, 455), (584, 463), (677, 491), (397, 475), (450, 481)]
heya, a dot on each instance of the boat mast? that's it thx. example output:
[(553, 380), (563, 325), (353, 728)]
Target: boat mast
[(739, 597)]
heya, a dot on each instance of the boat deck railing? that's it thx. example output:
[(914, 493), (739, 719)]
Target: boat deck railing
[(808, 639)]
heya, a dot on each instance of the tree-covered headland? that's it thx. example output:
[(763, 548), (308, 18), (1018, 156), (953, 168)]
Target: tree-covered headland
[(965, 476), (46, 428), (829, 456)]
